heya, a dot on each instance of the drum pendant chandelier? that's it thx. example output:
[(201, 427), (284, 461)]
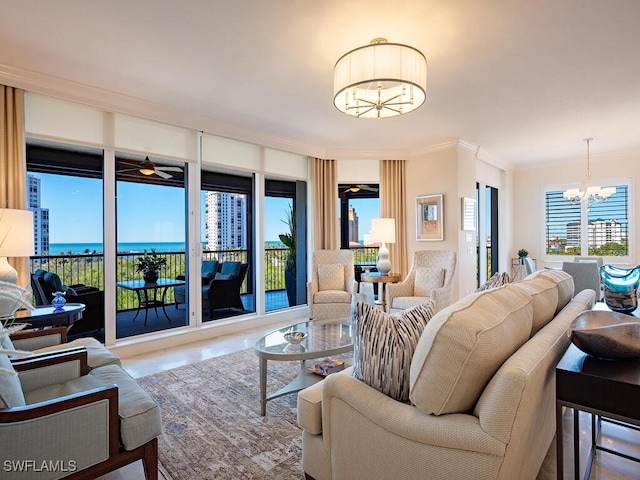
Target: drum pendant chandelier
[(380, 80)]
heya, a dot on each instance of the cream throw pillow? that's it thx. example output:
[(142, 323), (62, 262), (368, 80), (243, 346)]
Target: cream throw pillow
[(426, 280), (464, 345), (544, 296), (331, 276), (384, 344)]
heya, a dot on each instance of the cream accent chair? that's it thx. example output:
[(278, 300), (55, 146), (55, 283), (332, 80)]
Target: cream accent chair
[(332, 284), (430, 278)]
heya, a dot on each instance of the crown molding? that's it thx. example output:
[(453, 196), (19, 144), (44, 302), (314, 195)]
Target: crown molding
[(110, 101)]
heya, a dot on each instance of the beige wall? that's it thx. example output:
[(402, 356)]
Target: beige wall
[(528, 218)]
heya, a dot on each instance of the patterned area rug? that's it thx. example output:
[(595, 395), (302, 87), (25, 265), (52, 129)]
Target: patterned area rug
[(212, 424)]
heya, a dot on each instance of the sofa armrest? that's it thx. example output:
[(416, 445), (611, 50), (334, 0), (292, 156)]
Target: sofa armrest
[(348, 401), (34, 339)]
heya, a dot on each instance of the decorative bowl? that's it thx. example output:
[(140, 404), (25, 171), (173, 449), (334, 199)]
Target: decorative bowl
[(295, 337), (603, 334)]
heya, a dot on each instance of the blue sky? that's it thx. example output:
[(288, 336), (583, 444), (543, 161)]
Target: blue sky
[(147, 213)]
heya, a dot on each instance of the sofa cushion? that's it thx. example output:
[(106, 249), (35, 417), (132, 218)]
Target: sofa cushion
[(10, 389), (464, 345), (53, 281), (139, 414), (496, 280), (563, 280), (330, 276), (384, 344), (544, 296), (427, 279)]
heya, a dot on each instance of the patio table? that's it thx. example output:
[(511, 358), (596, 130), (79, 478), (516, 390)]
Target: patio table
[(143, 291)]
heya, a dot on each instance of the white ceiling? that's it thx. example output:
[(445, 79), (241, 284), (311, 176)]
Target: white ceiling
[(524, 80)]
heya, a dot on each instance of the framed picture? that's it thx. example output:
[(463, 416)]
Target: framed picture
[(429, 218), (468, 214)]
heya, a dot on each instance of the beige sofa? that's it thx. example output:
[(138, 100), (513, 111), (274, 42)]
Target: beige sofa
[(477, 411)]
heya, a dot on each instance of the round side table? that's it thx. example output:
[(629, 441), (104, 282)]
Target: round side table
[(375, 277)]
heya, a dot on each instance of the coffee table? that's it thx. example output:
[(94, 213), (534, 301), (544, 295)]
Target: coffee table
[(324, 337)]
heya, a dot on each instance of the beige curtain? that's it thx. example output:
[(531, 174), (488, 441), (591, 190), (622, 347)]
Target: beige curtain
[(13, 163), (325, 204), (393, 203)]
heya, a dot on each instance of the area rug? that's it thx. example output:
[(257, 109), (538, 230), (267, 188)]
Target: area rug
[(212, 427)]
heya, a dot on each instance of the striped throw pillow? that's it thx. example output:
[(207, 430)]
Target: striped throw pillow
[(384, 345)]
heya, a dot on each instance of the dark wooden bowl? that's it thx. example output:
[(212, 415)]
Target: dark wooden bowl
[(605, 334)]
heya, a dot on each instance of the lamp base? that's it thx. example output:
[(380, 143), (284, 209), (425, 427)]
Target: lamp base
[(384, 264), (7, 272)]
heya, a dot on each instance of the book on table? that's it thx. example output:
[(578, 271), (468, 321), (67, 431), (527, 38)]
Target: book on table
[(327, 366)]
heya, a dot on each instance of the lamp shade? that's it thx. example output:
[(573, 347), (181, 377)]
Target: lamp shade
[(380, 80), (16, 233), (383, 230)]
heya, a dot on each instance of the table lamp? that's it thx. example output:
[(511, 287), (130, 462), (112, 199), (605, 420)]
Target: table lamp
[(383, 231), (16, 240)]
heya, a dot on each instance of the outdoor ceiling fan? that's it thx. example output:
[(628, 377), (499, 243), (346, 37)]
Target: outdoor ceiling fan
[(147, 167), (357, 188)]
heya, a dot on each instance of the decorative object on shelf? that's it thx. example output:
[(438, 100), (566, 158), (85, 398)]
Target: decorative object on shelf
[(383, 231), (326, 367), (12, 298), (522, 254), (150, 264), (380, 80), (429, 218), (590, 194), (59, 300), (16, 240), (620, 287), (603, 334)]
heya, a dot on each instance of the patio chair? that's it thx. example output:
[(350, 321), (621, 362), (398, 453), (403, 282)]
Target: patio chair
[(224, 289), (208, 270), (44, 284)]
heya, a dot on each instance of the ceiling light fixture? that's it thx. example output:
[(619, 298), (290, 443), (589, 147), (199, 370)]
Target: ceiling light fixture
[(147, 168), (380, 80), (591, 194)]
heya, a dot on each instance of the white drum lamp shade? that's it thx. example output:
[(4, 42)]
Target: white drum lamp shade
[(380, 80), (383, 231), (16, 240)]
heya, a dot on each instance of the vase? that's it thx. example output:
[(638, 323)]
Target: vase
[(150, 277), (620, 287), (58, 300)]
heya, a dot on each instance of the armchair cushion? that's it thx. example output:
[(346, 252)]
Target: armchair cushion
[(332, 296), (54, 282), (384, 346), (11, 394), (223, 276), (230, 268), (464, 345), (402, 303), (330, 276), (426, 280), (208, 268)]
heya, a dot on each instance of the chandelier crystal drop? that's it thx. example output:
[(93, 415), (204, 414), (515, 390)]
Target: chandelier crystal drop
[(590, 194)]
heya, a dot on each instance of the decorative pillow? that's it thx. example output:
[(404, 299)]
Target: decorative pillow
[(384, 345), (230, 268), (330, 276), (464, 345), (426, 280), (544, 296), (208, 268), (222, 276), (496, 280), (10, 389), (563, 280)]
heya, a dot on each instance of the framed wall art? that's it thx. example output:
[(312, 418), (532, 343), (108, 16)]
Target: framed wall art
[(430, 218)]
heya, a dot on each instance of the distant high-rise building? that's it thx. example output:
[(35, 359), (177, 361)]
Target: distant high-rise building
[(353, 225), (40, 217), (226, 220)]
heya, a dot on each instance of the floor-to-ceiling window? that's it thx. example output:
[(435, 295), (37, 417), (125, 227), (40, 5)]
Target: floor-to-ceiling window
[(487, 234), (151, 237)]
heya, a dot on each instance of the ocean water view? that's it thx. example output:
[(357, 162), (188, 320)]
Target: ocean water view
[(127, 247)]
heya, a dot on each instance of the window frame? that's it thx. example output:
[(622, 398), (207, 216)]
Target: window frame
[(584, 222)]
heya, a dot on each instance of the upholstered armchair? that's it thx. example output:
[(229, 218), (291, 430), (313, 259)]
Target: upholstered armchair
[(44, 284), (332, 284), (79, 423), (430, 278)]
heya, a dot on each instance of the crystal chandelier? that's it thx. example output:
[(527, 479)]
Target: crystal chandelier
[(380, 80), (591, 194)]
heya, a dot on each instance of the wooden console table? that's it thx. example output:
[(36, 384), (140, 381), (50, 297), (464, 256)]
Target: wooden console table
[(604, 388)]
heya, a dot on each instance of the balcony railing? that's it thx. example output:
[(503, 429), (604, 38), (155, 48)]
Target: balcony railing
[(88, 269)]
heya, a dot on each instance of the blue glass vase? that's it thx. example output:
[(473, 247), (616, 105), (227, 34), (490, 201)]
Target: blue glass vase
[(58, 300), (620, 287)]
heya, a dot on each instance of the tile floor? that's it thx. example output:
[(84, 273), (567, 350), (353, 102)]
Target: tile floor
[(606, 466)]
